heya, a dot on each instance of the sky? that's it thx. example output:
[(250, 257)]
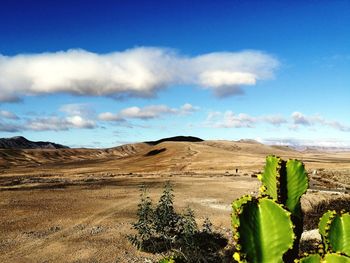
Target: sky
[(104, 73)]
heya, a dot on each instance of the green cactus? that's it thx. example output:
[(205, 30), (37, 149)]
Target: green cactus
[(167, 260), (328, 258), (336, 258), (285, 182), (335, 231), (263, 230), (236, 209), (314, 258), (323, 227)]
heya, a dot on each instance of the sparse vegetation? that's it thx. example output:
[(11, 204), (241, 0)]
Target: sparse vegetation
[(161, 229)]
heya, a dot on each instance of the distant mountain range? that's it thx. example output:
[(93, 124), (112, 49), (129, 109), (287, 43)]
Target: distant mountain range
[(20, 142)]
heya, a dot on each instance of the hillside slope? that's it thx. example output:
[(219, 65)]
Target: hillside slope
[(168, 157)]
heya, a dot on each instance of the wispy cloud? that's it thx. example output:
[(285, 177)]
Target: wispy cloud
[(146, 113), (300, 119), (229, 119), (58, 123), (10, 127), (276, 120), (77, 116), (8, 115), (135, 72), (303, 143), (77, 109)]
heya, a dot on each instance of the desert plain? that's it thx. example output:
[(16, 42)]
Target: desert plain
[(77, 205)]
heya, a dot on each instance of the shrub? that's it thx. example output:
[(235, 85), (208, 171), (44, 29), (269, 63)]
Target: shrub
[(162, 229)]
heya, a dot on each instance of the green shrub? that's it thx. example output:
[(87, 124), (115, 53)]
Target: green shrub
[(161, 229)]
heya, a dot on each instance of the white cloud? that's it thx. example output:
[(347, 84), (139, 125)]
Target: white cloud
[(77, 116), (188, 109), (275, 120), (9, 127), (8, 115), (337, 125), (299, 119), (59, 123), (229, 119), (146, 113), (134, 72), (330, 144), (109, 116), (79, 109)]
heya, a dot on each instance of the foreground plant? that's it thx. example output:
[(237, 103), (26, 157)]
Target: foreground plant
[(268, 228), (335, 231)]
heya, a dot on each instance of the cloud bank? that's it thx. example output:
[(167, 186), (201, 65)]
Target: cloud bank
[(135, 72), (146, 113), (229, 119), (299, 119), (303, 144), (8, 115), (83, 116)]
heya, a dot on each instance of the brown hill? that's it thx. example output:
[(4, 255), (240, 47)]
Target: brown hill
[(167, 157)]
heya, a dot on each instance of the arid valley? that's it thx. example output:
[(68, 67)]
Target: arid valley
[(77, 205)]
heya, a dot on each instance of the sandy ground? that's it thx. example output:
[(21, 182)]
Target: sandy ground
[(56, 208), (89, 223)]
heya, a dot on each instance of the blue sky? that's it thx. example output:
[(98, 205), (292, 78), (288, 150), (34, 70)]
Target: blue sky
[(103, 73)]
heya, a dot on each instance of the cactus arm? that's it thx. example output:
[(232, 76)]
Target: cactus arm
[(339, 234), (236, 209), (270, 176), (285, 182), (296, 185), (314, 258), (266, 231), (167, 260), (328, 258), (324, 226), (336, 258), (324, 221)]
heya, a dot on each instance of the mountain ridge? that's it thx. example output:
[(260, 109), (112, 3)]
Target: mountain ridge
[(20, 142)]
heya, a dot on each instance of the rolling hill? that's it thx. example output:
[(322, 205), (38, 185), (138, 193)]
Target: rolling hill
[(176, 155)]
